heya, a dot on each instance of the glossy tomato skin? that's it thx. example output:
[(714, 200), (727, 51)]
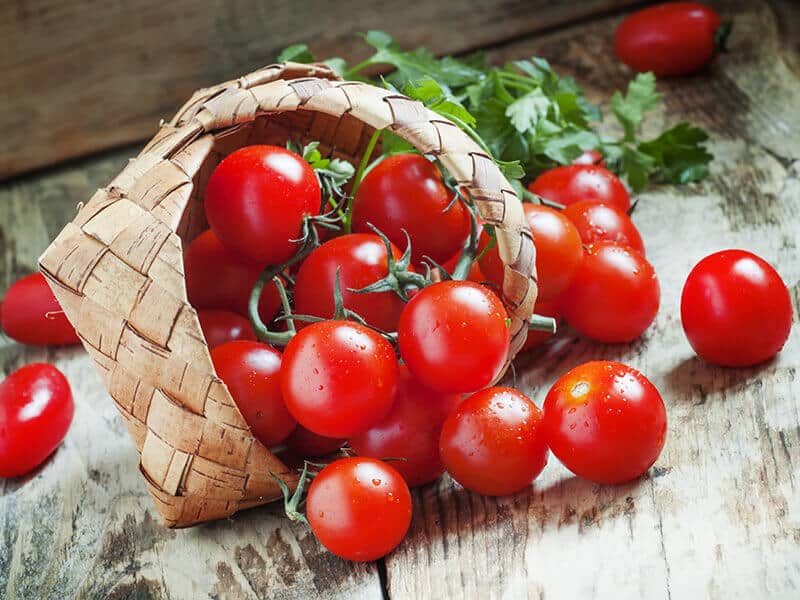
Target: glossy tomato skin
[(216, 279), (359, 508), (30, 314), (36, 410), (360, 259), (735, 309), (453, 336), (573, 183), (251, 371), (548, 308), (338, 378), (614, 296), (605, 422), (221, 326), (590, 157), (405, 191), (597, 222), (674, 38), (256, 200), (493, 442), (307, 444), (410, 431)]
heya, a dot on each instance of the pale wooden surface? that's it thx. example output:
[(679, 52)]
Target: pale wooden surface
[(718, 516), (79, 77)]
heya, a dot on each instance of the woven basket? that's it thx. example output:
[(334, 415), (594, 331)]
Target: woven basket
[(117, 270)]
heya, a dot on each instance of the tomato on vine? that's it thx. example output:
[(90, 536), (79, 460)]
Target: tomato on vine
[(573, 183), (338, 378), (549, 308), (410, 431), (216, 279), (493, 443), (359, 508), (405, 192), (360, 260), (307, 444), (221, 326), (614, 295), (453, 336), (735, 309), (36, 410), (30, 314), (256, 200), (597, 222), (605, 422), (251, 372)]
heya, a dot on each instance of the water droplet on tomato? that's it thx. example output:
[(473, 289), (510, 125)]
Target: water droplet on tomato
[(572, 410), (376, 481)]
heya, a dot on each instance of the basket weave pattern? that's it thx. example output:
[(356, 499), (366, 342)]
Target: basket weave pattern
[(117, 270)]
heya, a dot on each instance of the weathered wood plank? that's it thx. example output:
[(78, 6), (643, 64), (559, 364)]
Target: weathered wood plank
[(719, 515), (79, 77), (84, 525)]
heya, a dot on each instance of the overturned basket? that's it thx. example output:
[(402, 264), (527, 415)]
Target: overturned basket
[(117, 270)]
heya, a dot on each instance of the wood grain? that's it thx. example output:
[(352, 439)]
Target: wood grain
[(717, 517), (79, 77)]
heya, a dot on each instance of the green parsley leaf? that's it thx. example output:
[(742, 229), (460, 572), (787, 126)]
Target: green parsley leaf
[(640, 98), (679, 154), (296, 53), (526, 111)]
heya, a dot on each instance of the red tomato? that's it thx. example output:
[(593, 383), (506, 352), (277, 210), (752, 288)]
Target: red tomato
[(596, 222), (405, 191), (30, 314), (306, 443), (359, 508), (215, 278), (735, 309), (493, 442), (558, 251), (36, 410), (251, 371), (338, 378), (360, 259), (256, 200), (545, 309), (410, 431), (590, 157), (221, 326), (674, 38), (453, 336), (614, 296), (573, 183), (605, 422)]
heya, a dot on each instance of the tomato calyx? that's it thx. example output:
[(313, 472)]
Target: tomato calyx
[(722, 34), (542, 323), (293, 502), (529, 196)]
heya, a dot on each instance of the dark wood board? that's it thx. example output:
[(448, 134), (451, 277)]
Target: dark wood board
[(717, 517), (80, 77)]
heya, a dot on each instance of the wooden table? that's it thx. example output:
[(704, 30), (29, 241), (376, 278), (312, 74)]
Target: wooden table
[(717, 517)]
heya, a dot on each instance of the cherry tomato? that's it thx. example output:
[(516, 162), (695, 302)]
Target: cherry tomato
[(360, 259), (674, 38), (221, 326), (410, 431), (596, 222), (308, 444), (573, 183), (251, 371), (735, 309), (549, 308), (493, 442), (338, 378), (36, 410), (256, 200), (605, 422), (590, 157), (558, 251), (359, 508), (405, 192), (30, 314), (614, 296), (216, 279), (453, 336)]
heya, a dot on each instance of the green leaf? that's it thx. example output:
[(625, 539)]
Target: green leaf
[(432, 95), (391, 143), (379, 39), (296, 53), (526, 111), (337, 64), (680, 153), (640, 98), (511, 169)]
